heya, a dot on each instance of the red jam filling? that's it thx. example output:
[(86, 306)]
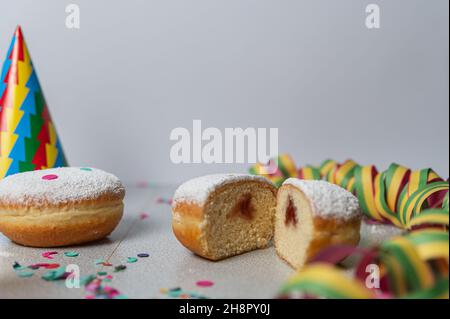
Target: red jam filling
[(244, 208), (291, 214)]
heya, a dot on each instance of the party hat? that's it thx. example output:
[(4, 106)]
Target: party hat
[(28, 139)]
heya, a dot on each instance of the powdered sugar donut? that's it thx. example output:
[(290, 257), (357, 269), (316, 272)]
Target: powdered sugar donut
[(222, 215), (312, 215), (59, 207)]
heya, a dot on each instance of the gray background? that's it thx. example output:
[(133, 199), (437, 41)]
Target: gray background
[(137, 69)]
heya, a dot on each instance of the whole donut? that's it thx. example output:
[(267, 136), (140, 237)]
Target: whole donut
[(60, 207)]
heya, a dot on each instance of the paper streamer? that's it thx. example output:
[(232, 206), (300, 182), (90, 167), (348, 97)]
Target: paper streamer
[(397, 196), (411, 266), (326, 281), (415, 265), (281, 168), (28, 139)]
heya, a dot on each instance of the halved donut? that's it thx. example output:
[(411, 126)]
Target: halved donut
[(218, 216), (312, 215)]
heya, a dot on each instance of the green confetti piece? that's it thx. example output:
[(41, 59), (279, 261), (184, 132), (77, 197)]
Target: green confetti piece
[(102, 273), (132, 260), (86, 280), (71, 254), (120, 268), (25, 274), (18, 267), (175, 293), (53, 275)]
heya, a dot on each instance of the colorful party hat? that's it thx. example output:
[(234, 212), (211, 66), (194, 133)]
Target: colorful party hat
[(28, 139)]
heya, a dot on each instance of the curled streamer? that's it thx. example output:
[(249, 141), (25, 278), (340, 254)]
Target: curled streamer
[(415, 265), (397, 196), (410, 266)]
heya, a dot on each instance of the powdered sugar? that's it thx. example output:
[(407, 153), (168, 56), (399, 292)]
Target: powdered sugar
[(198, 189), (329, 200), (375, 234), (58, 186)]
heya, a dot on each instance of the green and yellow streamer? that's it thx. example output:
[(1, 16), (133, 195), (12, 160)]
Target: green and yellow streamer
[(397, 195), (415, 265)]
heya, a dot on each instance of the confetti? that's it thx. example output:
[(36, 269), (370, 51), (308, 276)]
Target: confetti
[(57, 274), (49, 254), (178, 292), (94, 284), (49, 177), (120, 268), (204, 283), (143, 255), (142, 184), (161, 200), (143, 216), (145, 184), (25, 274), (87, 169), (86, 279), (101, 262), (131, 260), (17, 266), (175, 293), (46, 266), (28, 271), (71, 254), (96, 290)]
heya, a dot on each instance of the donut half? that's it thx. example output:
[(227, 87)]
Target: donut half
[(218, 216), (312, 215)]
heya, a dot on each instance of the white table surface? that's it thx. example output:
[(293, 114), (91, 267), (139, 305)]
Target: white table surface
[(257, 274)]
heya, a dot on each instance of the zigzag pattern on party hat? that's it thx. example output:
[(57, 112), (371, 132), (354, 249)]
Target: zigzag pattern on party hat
[(28, 139)]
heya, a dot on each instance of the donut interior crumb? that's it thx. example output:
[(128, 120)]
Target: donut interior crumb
[(238, 218)]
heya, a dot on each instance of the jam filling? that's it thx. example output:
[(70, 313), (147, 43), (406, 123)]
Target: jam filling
[(244, 208), (291, 214)]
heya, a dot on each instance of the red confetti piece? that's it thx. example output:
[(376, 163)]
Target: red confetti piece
[(142, 184), (204, 283), (49, 254), (143, 216), (161, 200), (49, 177), (46, 266)]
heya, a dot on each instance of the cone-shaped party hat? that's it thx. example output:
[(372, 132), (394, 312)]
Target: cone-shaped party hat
[(28, 139)]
